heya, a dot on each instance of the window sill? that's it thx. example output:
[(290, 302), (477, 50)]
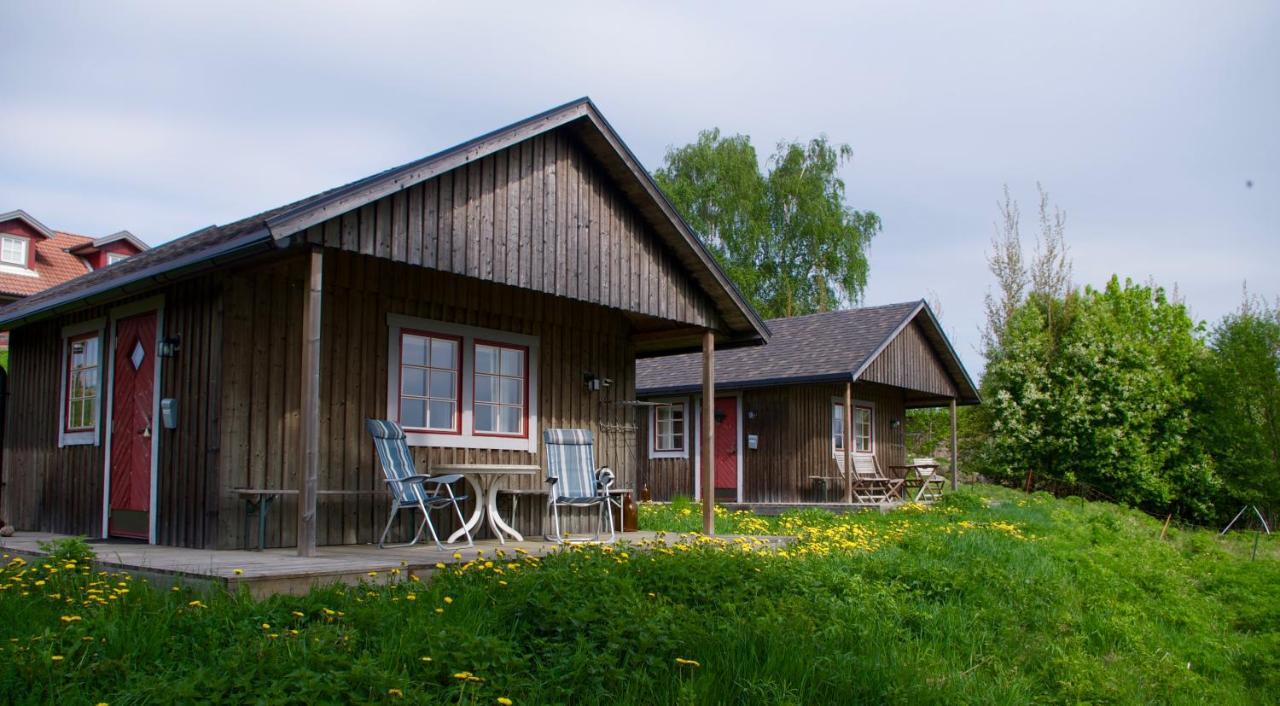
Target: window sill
[(467, 441), (78, 438)]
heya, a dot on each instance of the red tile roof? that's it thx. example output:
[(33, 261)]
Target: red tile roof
[(54, 265)]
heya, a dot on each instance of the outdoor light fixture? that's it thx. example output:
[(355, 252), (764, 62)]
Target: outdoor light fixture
[(895, 423), (720, 416), (594, 382), (169, 346), (751, 414)]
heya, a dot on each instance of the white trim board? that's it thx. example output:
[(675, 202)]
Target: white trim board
[(81, 438), (698, 441), (125, 311)]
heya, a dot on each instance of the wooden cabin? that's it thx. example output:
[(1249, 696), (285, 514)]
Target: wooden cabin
[(779, 420), (249, 355)]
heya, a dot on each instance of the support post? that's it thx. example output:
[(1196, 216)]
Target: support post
[(848, 442), (309, 431), (955, 475), (708, 433)]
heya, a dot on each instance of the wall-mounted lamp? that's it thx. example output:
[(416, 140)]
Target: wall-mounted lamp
[(751, 414), (720, 416), (169, 346), (594, 382), (895, 423)]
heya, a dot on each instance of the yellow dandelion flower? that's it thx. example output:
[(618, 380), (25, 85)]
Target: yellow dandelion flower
[(237, 572), (411, 597), (395, 692), (688, 662), (505, 701), (56, 658), (297, 614), (425, 659), (448, 599), (266, 626)]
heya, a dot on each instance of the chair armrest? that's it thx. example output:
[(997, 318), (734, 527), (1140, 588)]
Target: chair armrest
[(450, 478), (604, 478), (551, 480)]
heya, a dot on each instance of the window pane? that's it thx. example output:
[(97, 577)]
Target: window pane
[(414, 350), (90, 415), (484, 418), (486, 359), (510, 389), (485, 388), (443, 353), (512, 362), (443, 384), (91, 351), (441, 414), (87, 381), (413, 382), (77, 354), (413, 413), (510, 417), (74, 414)]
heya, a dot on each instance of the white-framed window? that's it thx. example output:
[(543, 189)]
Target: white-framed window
[(669, 429), (462, 386), (80, 403), (500, 381), (13, 250), (114, 257), (430, 382), (863, 414)]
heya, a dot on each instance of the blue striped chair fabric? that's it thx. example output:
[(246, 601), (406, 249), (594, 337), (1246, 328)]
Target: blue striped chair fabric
[(406, 485), (572, 473)]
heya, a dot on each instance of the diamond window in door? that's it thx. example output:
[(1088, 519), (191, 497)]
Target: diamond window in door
[(138, 355)]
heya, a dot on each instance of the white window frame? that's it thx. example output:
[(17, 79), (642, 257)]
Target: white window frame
[(654, 452), (114, 257), (25, 244), (839, 402), (468, 438), (84, 437)]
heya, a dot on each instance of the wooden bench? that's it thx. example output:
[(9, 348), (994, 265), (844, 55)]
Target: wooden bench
[(259, 500), (823, 485), (517, 493)]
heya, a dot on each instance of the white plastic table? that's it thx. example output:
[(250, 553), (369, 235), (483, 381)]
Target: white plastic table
[(485, 480)]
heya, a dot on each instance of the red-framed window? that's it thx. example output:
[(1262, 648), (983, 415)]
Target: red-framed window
[(430, 382), (84, 376), (15, 250), (500, 389), (668, 428)]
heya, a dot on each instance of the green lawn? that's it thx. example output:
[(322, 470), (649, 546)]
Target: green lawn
[(1023, 600)]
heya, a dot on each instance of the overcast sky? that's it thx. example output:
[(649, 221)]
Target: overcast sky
[(1144, 121)]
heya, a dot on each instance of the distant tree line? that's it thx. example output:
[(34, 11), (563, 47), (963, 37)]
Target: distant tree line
[(1118, 388)]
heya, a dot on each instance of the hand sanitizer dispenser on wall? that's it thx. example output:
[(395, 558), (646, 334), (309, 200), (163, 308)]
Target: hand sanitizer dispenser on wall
[(169, 413)]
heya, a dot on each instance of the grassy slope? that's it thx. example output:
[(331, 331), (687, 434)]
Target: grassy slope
[(1031, 600)]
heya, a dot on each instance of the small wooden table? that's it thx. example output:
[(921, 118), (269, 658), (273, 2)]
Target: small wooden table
[(259, 500), (925, 473), (485, 479)]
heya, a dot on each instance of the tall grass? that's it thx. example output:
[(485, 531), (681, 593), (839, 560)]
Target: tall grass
[(999, 598)]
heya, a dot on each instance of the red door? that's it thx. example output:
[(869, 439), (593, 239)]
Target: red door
[(132, 404), (727, 447)]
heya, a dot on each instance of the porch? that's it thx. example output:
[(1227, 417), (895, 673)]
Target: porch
[(282, 570)]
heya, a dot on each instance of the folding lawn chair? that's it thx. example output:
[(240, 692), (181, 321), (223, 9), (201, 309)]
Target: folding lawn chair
[(574, 479), (410, 489)]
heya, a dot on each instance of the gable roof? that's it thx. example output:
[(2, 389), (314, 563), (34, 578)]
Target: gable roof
[(124, 235), (834, 346), (278, 226), (21, 215), (54, 264)]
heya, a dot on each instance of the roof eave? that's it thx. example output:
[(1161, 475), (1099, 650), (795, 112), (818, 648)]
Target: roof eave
[(21, 215)]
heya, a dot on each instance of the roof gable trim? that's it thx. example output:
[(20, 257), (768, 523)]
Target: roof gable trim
[(21, 215)]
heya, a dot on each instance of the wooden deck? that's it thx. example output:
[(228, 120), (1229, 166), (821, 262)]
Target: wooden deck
[(276, 571)]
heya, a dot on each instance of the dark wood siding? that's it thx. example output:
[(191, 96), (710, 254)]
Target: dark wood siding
[(541, 215), (909, 362), (793, 426), (260, 407), (53, 489)]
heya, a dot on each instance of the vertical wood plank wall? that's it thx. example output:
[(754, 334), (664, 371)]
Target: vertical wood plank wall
[(909, 362), (51, 489), (259, 432), (541, 215), (793, 424)]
